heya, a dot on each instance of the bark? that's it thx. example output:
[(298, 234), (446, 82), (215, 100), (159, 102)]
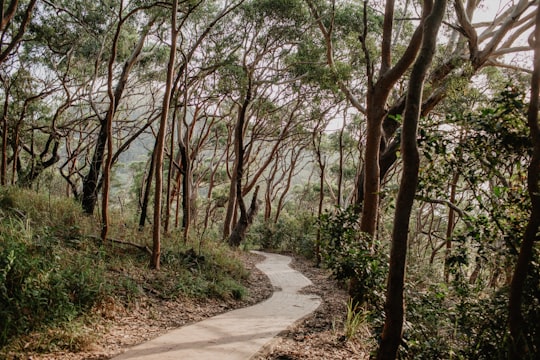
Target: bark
[(377, 96), (108, 129), (147, 189), (341, 160), (450, 226), (322, 166), (186, 189), (5, 128), (231, 204), (246, 219), (170, 171), (394, 305), (158, 156), (515, 318), (238, 232)]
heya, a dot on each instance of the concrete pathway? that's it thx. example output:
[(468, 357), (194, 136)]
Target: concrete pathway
[(238, 334)]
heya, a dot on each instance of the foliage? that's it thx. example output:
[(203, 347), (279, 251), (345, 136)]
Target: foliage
[(349, 254), (463, 321), (354, 320), (212, 272), (485, 149), (41, 283), (54, 278), (290, 233)]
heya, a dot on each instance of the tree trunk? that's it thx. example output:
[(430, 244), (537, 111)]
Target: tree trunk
[(39, 165), (515, 318), (147, 190), (158, 156), (91, 180), (108, 130), (340, 172), (231, 205), (394, 305), (237, 235), (292, 163), (246, 219), (4, 165), (450, 226), (186, 189), (168, 201)]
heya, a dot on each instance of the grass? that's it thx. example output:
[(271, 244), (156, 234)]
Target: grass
[(55, 279), (356, 317)]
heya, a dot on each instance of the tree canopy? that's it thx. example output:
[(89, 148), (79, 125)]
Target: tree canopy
[(414, 124)]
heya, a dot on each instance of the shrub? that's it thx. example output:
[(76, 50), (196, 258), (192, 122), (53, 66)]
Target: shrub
[(348, 253), (40, 285), (290, 233)]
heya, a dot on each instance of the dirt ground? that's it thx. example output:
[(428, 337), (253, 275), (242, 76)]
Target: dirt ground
[(318, 336)]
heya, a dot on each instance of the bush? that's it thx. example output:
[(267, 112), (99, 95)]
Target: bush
[(39, 285), (459, 321), (348, 253), (290, 233)]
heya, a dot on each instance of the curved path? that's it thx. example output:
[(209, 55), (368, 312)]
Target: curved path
[(238, 334)]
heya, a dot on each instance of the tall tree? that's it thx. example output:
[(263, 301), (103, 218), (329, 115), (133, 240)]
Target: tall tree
[(91, 182), (532, 232), (160, 141), (246, 216), (394, 306)]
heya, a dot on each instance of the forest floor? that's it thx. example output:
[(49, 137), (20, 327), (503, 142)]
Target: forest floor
[(318, 336)]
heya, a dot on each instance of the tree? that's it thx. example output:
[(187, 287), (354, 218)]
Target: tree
[(12, 33), (91, 182), (515, 317), (246, 218), (160, 141), (394, 306)]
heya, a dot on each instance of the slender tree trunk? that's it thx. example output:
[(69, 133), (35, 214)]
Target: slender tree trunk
[(281, 201), (341, 160), (168, 202), (156, 235), (515, 317), (270, 188), (177, 199), (91, 180), (108, 130), (147, 189), (450, 226), (231, 204), (394, 305), (237, 235), (316, 140), (319, 214), (186, 188), (211, 183), (246, 219), (5, 129), (370, 206)]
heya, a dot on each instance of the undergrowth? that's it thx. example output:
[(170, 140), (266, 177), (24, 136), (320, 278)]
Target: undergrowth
[(55, 278)]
